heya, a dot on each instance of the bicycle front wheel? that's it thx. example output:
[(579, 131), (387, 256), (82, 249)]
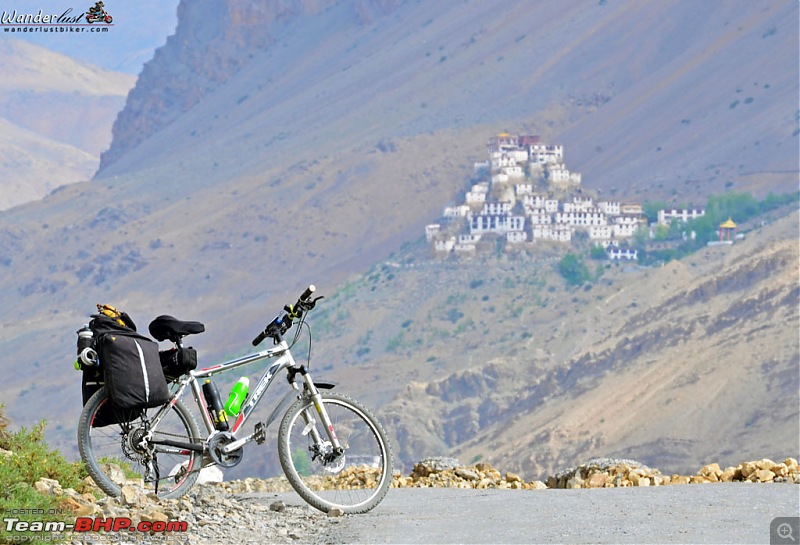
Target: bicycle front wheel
[(355, 481), (110, 444)]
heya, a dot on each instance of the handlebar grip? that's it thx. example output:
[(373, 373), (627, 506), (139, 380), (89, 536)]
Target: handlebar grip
[(306, 294), (261, 337)]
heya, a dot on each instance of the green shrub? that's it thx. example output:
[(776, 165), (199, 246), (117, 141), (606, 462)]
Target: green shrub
[(31, 459), (574, 270)]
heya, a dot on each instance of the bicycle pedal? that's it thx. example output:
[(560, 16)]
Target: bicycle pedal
[(260, 433)]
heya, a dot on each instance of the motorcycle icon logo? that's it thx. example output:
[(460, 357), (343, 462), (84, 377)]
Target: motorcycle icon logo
[(98, 14)]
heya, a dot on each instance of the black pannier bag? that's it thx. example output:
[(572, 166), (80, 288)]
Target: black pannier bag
[(178, 361), (130, 366), (132, 370), (92, 381)]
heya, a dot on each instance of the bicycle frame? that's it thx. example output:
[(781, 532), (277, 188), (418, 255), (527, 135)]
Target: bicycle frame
[(285, 360)]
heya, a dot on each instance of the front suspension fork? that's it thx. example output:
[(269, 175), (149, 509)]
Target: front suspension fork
[(316, 399)]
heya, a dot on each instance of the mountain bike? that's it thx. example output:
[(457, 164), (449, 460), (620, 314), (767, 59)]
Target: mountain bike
[(332, 450)]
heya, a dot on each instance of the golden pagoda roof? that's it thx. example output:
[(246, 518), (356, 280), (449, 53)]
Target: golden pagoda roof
[(728, 224)]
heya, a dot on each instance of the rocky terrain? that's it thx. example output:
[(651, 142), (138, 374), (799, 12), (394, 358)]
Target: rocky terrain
[(251, 509)]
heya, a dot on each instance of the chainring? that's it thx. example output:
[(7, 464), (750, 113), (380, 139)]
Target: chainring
[(215, 445)]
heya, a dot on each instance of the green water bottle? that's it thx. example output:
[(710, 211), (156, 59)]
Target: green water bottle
[(237, 397)]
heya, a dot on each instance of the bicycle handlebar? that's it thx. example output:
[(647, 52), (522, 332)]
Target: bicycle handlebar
[(283, 322), (306, 294)]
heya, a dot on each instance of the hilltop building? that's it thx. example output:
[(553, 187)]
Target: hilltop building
[(525, 194), (665, 217)]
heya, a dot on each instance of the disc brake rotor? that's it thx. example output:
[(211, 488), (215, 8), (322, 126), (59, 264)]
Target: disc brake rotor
[(130, 445)]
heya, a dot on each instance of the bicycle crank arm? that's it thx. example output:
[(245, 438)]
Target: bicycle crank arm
[(258, 436)]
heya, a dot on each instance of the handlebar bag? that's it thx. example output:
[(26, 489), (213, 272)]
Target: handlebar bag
[(132, 370)]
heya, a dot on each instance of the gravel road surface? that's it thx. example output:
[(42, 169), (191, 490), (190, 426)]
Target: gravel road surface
[(708, 513)]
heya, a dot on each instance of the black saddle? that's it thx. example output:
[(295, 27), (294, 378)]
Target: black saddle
[(167, 327)]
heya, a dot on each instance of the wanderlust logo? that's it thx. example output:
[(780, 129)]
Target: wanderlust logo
[(68, 20)]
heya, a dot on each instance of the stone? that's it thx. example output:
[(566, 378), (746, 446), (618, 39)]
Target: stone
[(6, 453), (748, 468), (575, 482), (48, 486), (711, 469), (154, 516), (727, 476), (211, 474), (129, 496), (538, 485), (115, 473), (597, 480), (766, 463), (439, 463), (640, 481), (277, 506), (513, 477), (679, 479), (780, 470), (335, 512), (764, 476), (466, 474)]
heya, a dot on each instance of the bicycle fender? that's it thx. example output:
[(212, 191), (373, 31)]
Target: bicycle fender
[(290, 398), (281, 407)]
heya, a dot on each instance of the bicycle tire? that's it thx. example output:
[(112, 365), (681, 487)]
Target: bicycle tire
[(102, 446), (365, 468)]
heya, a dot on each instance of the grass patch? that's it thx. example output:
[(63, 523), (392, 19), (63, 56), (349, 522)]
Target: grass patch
[(30, 460)]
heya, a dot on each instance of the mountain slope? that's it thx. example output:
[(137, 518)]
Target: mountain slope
[(33, 165), (311, 150), (56, 116), (674, 366)]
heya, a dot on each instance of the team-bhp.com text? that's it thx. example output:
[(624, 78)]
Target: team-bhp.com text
[(88, 524)]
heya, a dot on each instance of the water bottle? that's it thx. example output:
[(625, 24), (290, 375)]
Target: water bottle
[(87, 356), (211, 393), (237, 397)]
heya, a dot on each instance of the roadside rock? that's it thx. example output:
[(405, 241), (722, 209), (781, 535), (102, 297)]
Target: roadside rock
[(211, 509), (605, 473)]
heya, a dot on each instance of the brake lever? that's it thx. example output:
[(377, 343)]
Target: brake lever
[(310, 304)]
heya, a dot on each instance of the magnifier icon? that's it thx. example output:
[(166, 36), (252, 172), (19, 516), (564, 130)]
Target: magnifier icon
[(785, 531)]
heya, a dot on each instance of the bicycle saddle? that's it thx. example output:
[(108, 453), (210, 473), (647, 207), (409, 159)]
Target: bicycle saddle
[(167, 327)]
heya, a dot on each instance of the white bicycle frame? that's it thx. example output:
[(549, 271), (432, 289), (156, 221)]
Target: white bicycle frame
[(285, 360)]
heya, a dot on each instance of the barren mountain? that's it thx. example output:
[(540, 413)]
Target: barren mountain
[(55, 119), (274, 144)]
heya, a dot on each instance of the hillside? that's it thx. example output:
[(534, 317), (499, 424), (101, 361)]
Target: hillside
[(498, 361), (317, 139), (55, 119)]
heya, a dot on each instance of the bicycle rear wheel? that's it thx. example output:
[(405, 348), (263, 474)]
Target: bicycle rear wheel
[(356, 481), (109, 444)]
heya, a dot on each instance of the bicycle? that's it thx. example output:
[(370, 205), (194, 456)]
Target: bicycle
[(332, 450)]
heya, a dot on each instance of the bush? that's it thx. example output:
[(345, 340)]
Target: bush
[(31, 460), (574, 270)]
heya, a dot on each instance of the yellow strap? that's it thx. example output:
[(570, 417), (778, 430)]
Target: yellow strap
[(111, 312)]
